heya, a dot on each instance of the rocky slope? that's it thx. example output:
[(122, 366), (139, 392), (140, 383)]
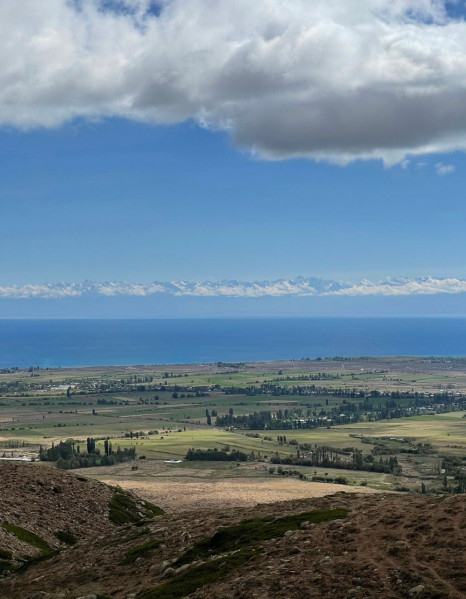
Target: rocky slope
[(45, 501), (339, 547)]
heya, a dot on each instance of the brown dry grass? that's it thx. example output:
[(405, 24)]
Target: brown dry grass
[(179, 496)]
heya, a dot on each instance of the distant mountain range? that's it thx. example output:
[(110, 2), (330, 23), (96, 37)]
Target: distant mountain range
[(299, 286)]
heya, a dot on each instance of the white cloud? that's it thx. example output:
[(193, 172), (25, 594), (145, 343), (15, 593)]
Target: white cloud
[(279, 288), (287, 78), (444, 169), (402, 286), (46, 291)]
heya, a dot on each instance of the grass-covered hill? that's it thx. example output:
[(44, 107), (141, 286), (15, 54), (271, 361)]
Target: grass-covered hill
[(65, 536)]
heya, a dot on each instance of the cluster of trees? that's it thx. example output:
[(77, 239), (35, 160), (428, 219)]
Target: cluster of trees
[(209, 414), (216, 455), (102, 401), (13, 444), (275, 389), (373, 406), (453, 467), (177, 395), (234, 365), (68, 455), (316, 376), (255, 421), (135, 434), (340, 480), (327, 457)]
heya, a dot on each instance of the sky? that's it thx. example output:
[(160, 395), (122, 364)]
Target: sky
[(242, 147)]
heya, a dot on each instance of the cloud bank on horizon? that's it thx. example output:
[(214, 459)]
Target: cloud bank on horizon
[(331, 80), (299, 286)]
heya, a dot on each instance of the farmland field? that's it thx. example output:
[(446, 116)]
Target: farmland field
[(404, 411)]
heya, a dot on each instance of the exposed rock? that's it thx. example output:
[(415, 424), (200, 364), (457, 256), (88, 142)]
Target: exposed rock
[(168, 572), (416, 591), (182, 568), (71, 505)]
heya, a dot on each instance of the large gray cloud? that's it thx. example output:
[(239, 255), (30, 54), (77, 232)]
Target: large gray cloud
[(287, 78)]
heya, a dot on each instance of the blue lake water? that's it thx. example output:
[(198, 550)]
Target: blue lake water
[(49, 343)]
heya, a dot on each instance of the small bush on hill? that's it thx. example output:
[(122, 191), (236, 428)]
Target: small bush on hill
[(254, 531), (187, 582), (5, 565), (28, 537), (154, 509), (66, 537), (141, 551), (124, 510)]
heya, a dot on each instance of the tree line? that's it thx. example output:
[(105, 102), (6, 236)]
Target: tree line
[(372, 407), (327, 457), (68, 454), (216, 455)]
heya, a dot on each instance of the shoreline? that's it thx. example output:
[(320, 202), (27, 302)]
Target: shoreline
[(305, 363)]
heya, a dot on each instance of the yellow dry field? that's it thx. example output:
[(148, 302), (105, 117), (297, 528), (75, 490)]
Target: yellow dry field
[(178, 496)]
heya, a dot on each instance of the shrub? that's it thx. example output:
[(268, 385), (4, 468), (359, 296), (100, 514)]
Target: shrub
[(28, 537), (187, 582), (253, 531), (154, 509), (141, 551), (319, 478), (341, 480), (5, 554), (5, 565), (122, 510), (242, 540), (66, 537)]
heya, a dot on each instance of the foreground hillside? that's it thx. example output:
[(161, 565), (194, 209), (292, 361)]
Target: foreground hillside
[(102, 542)]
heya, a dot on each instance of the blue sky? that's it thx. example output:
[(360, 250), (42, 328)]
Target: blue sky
[(122, 201), (230, 175)]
